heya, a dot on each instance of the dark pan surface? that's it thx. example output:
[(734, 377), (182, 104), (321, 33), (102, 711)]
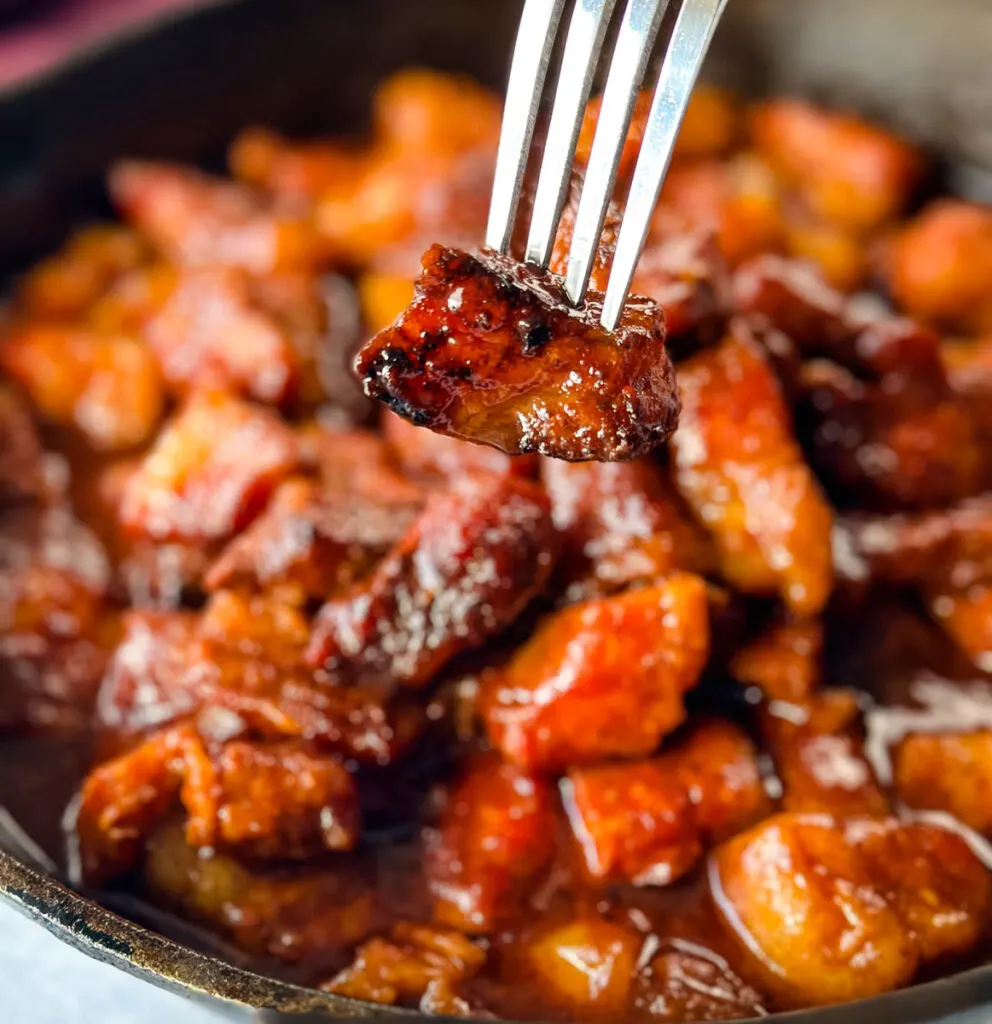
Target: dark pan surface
[(181, 89)]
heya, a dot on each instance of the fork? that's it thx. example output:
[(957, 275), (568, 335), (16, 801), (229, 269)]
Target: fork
[(695, 23)]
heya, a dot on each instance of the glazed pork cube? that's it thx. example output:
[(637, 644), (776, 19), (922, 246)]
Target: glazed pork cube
[(209, 473), (601, 679), (495, 834), (481, 549)]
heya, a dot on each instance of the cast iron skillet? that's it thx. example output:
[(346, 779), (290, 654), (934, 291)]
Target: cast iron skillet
[(182, 87)]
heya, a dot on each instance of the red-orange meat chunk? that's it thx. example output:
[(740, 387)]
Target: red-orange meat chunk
[(932, 879), (239, 667), (65, 286), (947, 771), (690, 982), (940, 265), (209, 473), (490, 352), (196, 220), (818, 748), (586, 966), (277, 801), (214, 332), (812, 925), (108, 387), (601, 679), (416, 965), (21, 471), (851, 172), (495, 834), (56, 629), (718, 766), (296, 914), (281, 800), (310, 541), (633, 822), (941, 548), (739, 467), (783, 661), (621, 523), (823, 322), (465, 569)]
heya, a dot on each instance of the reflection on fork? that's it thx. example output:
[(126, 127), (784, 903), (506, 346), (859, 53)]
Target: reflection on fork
[(694, 25)]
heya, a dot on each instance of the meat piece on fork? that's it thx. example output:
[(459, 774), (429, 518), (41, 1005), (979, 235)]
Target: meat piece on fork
[(490, 351)]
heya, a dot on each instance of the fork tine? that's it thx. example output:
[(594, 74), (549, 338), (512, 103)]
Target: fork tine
[(586, 32), (531, 56), (627, 68), (680, 68)]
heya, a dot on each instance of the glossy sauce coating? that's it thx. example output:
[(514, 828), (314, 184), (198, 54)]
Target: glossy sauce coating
[(647, 723), (490, 351)]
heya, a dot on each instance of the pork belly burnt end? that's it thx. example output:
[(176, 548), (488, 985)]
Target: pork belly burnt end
[(490, 351), (465, 569)]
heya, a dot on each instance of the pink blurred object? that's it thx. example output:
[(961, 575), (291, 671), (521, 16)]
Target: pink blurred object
[(30, 47)]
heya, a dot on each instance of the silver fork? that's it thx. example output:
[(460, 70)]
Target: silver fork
[(692, 33)]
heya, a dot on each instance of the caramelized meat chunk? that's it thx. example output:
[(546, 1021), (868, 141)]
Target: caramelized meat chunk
[(21, 474), (823, 322), (633, 822), (209, 473), (357, 463), (942, 548), (311, 542), (277, 801), (621, 523), (718, 766), (465, 569), (966, 617), (689, 982), (56, 631), (783, 661), (602, 678), (107, 387), (584, 967), (904, 442), (280, 801), (940, 266), (239, 666), (818, 748), (848, 171), (490, 352), (122, 800), (495, 833), (812, 924), (409, 966), (418, 109), (298, 172), (949, 772), (213, 333), (65, 286), (931, 878), (293, 915), (141, 690), (739, 467), (198, 220), (709, 129), (734, 204)]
